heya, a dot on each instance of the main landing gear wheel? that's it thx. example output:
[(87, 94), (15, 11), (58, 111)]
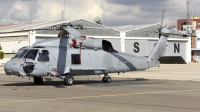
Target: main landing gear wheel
[(106, 79), (38, 80), (103, 79), (69, 80)]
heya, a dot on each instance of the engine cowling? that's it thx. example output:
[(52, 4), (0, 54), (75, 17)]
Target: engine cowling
[(92, 43), (74, 42)]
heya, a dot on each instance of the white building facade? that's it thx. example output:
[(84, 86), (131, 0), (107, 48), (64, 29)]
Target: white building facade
[(130, 39)]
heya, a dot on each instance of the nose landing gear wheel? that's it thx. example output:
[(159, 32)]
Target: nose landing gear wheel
[(38, 80), (69, 80)]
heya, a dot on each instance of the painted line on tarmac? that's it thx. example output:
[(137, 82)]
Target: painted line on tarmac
[(98, 96)]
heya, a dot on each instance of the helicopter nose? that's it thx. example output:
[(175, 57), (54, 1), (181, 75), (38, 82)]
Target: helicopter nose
[(7, 68)]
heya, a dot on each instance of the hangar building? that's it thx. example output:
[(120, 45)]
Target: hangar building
[(131, 39)]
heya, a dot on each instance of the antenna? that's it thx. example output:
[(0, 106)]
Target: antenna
[(189, 15)]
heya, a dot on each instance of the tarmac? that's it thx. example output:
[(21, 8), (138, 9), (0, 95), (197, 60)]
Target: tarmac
[(190, 71), (168, 88)]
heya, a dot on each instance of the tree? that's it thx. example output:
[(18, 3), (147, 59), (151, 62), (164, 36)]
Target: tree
[(1, 53), (98, 22)]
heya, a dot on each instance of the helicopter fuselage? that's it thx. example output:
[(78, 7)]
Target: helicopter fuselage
[(43, 61)]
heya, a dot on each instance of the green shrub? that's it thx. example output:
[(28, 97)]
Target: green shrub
[(1, 53)]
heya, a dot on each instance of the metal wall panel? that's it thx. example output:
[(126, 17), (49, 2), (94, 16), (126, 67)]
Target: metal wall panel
[(197, 40), (142, 32), (176, 48), (137, 47), (144, 47), (13, 46), (151, 44), (92, 32), (43, 38)]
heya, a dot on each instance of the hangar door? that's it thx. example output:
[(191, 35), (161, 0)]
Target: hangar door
[(136, 47), (144, 47)]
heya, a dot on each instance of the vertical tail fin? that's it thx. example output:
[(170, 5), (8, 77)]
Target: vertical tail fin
[(159, 49)]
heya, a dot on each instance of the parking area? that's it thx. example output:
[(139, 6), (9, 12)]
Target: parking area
[(165, 88)]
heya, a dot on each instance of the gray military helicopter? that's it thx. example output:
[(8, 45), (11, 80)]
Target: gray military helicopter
[(76, 55)]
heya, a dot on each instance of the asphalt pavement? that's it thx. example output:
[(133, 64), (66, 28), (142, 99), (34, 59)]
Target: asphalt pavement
[(168, 88)]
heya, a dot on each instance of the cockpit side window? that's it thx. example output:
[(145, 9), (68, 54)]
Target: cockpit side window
[(44, 56), (22, 53), (31, 54)]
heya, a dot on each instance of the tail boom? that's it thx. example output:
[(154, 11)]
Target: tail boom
[(159, 49)]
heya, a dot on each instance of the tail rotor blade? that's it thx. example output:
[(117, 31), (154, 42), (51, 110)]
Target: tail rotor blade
[(163, 12)]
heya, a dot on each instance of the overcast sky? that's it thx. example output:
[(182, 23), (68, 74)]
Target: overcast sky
[(110, 12)]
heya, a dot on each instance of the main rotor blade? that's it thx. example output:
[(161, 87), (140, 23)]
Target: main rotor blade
[(74, 33), (184, 35), (22, 30), (96, 28)]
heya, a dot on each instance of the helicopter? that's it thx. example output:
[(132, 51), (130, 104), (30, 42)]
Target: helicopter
[(72, 54)]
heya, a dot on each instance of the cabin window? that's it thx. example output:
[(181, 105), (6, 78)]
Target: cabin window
[(22, 53), (75, 59), (31, 54), (44, 56)]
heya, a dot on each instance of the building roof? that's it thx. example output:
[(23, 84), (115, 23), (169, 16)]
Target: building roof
[(38, 25), (128, 28), (111, 31)]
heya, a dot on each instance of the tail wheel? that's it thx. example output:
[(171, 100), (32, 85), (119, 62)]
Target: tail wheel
[(69, 80)]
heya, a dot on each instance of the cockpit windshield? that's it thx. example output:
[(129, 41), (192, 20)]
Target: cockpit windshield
[(19, 52), (31, 54), (22, 53)]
